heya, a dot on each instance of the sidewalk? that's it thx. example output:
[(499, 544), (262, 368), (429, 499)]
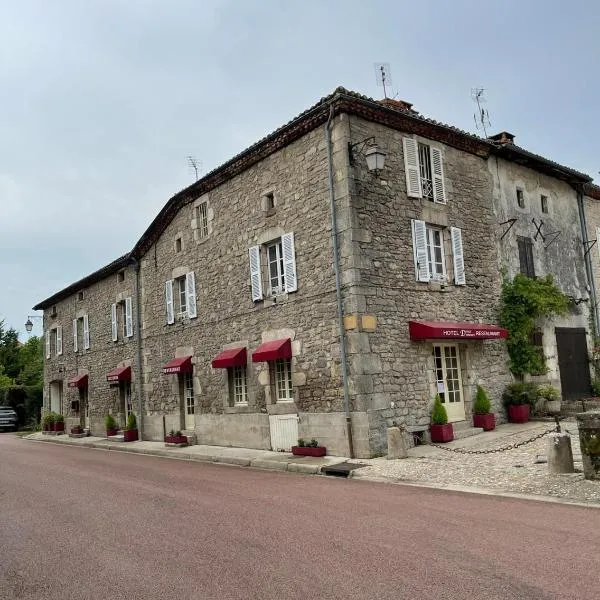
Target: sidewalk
[(241, 457)]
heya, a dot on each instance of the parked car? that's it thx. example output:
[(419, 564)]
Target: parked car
[(8, 418)]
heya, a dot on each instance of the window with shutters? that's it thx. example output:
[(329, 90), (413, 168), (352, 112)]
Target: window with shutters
[(283, 380), (202, 220), (275, 268), (526, 266), (81, 334), (275, 264), (436, 261), (424, 170), (55, 342), (238, 385), (122, 319), (180, 298)]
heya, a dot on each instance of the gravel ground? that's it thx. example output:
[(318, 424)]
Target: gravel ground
[(511, 471)]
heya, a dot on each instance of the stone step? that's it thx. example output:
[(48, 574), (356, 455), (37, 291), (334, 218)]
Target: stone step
[(460, 425), (459, 434)]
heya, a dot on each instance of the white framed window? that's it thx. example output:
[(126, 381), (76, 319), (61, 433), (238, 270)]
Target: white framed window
[(279, 260), (180, 297), (436, 261), (239, 380), (121, 312), (424, 170), (81, 331), (447, 371), (283, 380), (188, 393), (55, 341), (202, 219)]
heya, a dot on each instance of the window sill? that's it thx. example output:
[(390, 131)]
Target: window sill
[(240, 409)]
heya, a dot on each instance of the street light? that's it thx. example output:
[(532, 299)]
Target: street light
[(29, 324), (373, 154)]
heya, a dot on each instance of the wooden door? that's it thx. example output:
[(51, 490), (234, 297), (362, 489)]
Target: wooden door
[(573, 362)]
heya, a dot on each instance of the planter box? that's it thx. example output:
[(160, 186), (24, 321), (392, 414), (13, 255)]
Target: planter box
[(176, 440), (440, 434), (518, 413), (59, 427), (110, 432), (553, 406), (487, 422), (130, 435), (306, 451)]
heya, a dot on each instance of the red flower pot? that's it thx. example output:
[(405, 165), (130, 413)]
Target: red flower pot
[(110, 432), (306, 451), (59, 426), (440, 434), (487, 422), (518, 413), (130, 435), (175, 439)]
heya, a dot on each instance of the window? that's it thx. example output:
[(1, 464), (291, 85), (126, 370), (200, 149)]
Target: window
[(270, 201), (239, 385), (188, 392), (202, 219), (178, 245), (526, 266), (126, 400), (447, 372), (121, 276), (80, 295), (278, 259), (122, 312), (537, 340), (544, 203), (435, 254), (275, 268), (180, 297), (424, 171), (520, 198), (54, 342), (283, 380), (81, 333)]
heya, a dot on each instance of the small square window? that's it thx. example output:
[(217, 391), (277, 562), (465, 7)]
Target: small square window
[(520, 198), (544, 203), (80, 296), (121, 276), (270, 201), (178, 245)]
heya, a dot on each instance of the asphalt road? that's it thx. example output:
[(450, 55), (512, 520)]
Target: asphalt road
[(80, 523)]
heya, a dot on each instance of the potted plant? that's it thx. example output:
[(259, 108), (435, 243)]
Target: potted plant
[(552, 397), (311, 448), (482, 417), (175, 438), (48, 422), (441, 431), (111, 425), (59, 423), (130, 433), (518, 398)]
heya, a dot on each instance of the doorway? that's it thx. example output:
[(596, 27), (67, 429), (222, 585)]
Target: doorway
[(573, 362), (449, 380), (85, 407), (56, 397), (189, 401)]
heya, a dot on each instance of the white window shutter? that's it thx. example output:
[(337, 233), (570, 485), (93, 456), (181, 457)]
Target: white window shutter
[(190, 293), (128, 317), (457, 252), (411, 166), (74, 335), (169, 302), (59, 348), (113, 321), (437, 167), (86, 332), (419, 232), (289, 262), (47, 334), (255, 276)]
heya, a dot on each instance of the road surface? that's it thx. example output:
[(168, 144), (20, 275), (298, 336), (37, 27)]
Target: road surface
[(79, 523)]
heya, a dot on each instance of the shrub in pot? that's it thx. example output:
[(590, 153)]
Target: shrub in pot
[(518, 398), (48, 422), (482, 417), (441, 431), (59, 423), (552, 398), (311, 448), (110, 425), (175, 438), (130, 433)]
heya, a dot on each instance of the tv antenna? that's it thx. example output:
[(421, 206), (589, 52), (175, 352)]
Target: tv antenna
[(383, 74), (482, 116), (193, 164)]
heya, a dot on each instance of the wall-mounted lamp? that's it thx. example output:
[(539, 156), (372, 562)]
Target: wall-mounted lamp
[(29, 324), (374, 155)]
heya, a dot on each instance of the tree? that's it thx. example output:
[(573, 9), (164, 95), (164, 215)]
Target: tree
[(5, 380), (31, 362), (9, 351)]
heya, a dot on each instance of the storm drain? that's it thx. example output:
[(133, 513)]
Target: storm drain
[(341, 469)]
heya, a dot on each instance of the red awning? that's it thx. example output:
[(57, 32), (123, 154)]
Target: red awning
[(119, 374), (441, 330), (275, 350), (79, 381), (232, 357), (183, 364)]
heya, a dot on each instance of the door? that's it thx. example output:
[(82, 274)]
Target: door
[(573, 363), (86, 407), (189, 401), (56, 396), (127, 401), (449, 380), (284, 432)]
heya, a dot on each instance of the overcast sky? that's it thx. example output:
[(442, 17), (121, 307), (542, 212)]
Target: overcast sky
[(101, 101)]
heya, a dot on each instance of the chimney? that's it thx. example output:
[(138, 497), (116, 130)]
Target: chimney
[(503, 138), (401, 105)]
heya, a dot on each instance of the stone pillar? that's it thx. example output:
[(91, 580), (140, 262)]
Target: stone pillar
[(589, 439), (396, 443), (560, 455)]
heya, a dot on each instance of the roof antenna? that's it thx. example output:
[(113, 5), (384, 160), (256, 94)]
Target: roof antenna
[(482, 116), (193, 164), (383, 74)]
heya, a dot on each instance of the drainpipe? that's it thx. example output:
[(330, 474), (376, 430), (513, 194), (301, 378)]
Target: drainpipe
[(138, 328), (587, 259), (338, 283)]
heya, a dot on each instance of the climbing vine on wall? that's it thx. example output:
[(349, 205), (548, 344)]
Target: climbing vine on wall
[(523, 301)]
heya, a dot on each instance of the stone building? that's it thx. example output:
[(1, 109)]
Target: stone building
[(305, 289)]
